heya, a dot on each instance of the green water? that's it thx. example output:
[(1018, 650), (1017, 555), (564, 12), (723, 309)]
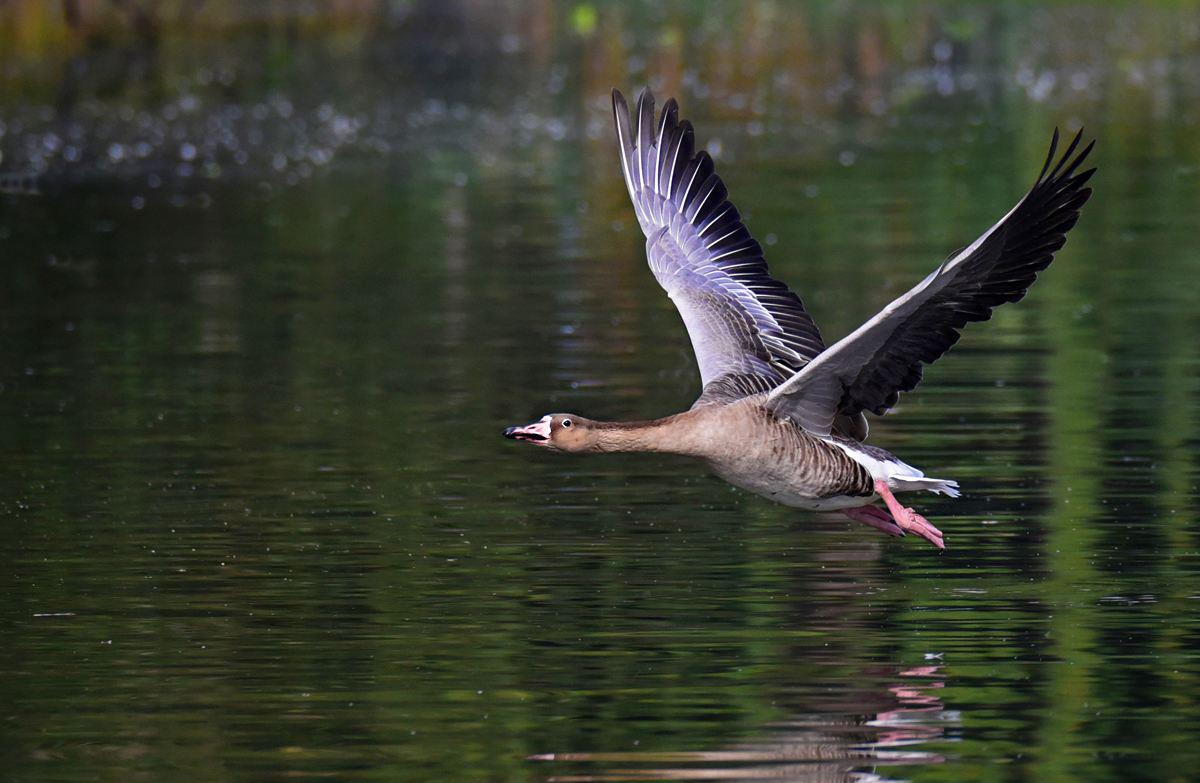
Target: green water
[(258, 519)]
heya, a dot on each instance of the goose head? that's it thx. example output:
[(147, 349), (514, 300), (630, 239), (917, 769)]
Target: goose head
[(558, 431)]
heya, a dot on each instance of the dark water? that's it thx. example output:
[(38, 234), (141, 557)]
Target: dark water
[(258, 520)]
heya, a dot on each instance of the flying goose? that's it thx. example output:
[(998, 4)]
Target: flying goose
[(780, 414)]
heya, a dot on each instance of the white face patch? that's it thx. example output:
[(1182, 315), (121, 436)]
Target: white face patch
[(541, 426)]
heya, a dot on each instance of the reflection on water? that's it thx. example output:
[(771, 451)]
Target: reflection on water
[(819, 747), (284, 279)]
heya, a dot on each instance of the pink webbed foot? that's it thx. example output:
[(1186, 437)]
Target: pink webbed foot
[(908, 519), (876, 518)]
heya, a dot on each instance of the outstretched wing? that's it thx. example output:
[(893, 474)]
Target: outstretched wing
[(749, 332), (867, 370)]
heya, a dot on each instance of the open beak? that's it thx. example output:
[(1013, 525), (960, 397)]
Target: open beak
[(538, 432)]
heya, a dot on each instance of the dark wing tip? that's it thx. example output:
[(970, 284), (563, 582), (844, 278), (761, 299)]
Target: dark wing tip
[(1049, 155), (1068, 162), (1066, 156), (669, 114), (619, 106), (645, 108), (1080, 158)]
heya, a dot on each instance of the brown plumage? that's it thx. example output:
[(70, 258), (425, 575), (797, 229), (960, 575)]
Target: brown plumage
[(780, 414)]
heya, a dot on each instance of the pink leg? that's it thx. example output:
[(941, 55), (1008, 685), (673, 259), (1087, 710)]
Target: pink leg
[(908, 519), (875, 517)]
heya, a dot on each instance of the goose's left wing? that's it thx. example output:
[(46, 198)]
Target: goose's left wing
[(867, 370), (749, 332)]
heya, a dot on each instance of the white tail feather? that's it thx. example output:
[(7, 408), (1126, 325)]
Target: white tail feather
[(899, 475), (940, 486)]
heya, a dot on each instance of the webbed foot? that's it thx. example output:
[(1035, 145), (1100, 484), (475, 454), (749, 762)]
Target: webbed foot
[(876, 518), (908, 519)]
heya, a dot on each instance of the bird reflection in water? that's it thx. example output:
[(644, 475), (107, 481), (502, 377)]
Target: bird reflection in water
[(826, 747)]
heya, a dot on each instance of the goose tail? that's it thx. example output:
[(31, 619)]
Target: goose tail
[(936, 485)]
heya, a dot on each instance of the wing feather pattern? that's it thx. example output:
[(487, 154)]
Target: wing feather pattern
[(868, 369), (748, 330)]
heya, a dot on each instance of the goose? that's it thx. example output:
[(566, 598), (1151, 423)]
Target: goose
[(781, 414)]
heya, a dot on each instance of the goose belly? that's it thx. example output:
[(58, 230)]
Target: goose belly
[(828, 481)]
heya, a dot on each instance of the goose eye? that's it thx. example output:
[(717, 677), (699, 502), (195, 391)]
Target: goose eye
[(568, 423)]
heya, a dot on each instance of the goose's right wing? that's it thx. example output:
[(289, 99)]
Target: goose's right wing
[(749, 332), (867, 370)]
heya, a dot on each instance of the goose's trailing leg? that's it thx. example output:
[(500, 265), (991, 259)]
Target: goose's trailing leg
[(876, 518), (908, 519)]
